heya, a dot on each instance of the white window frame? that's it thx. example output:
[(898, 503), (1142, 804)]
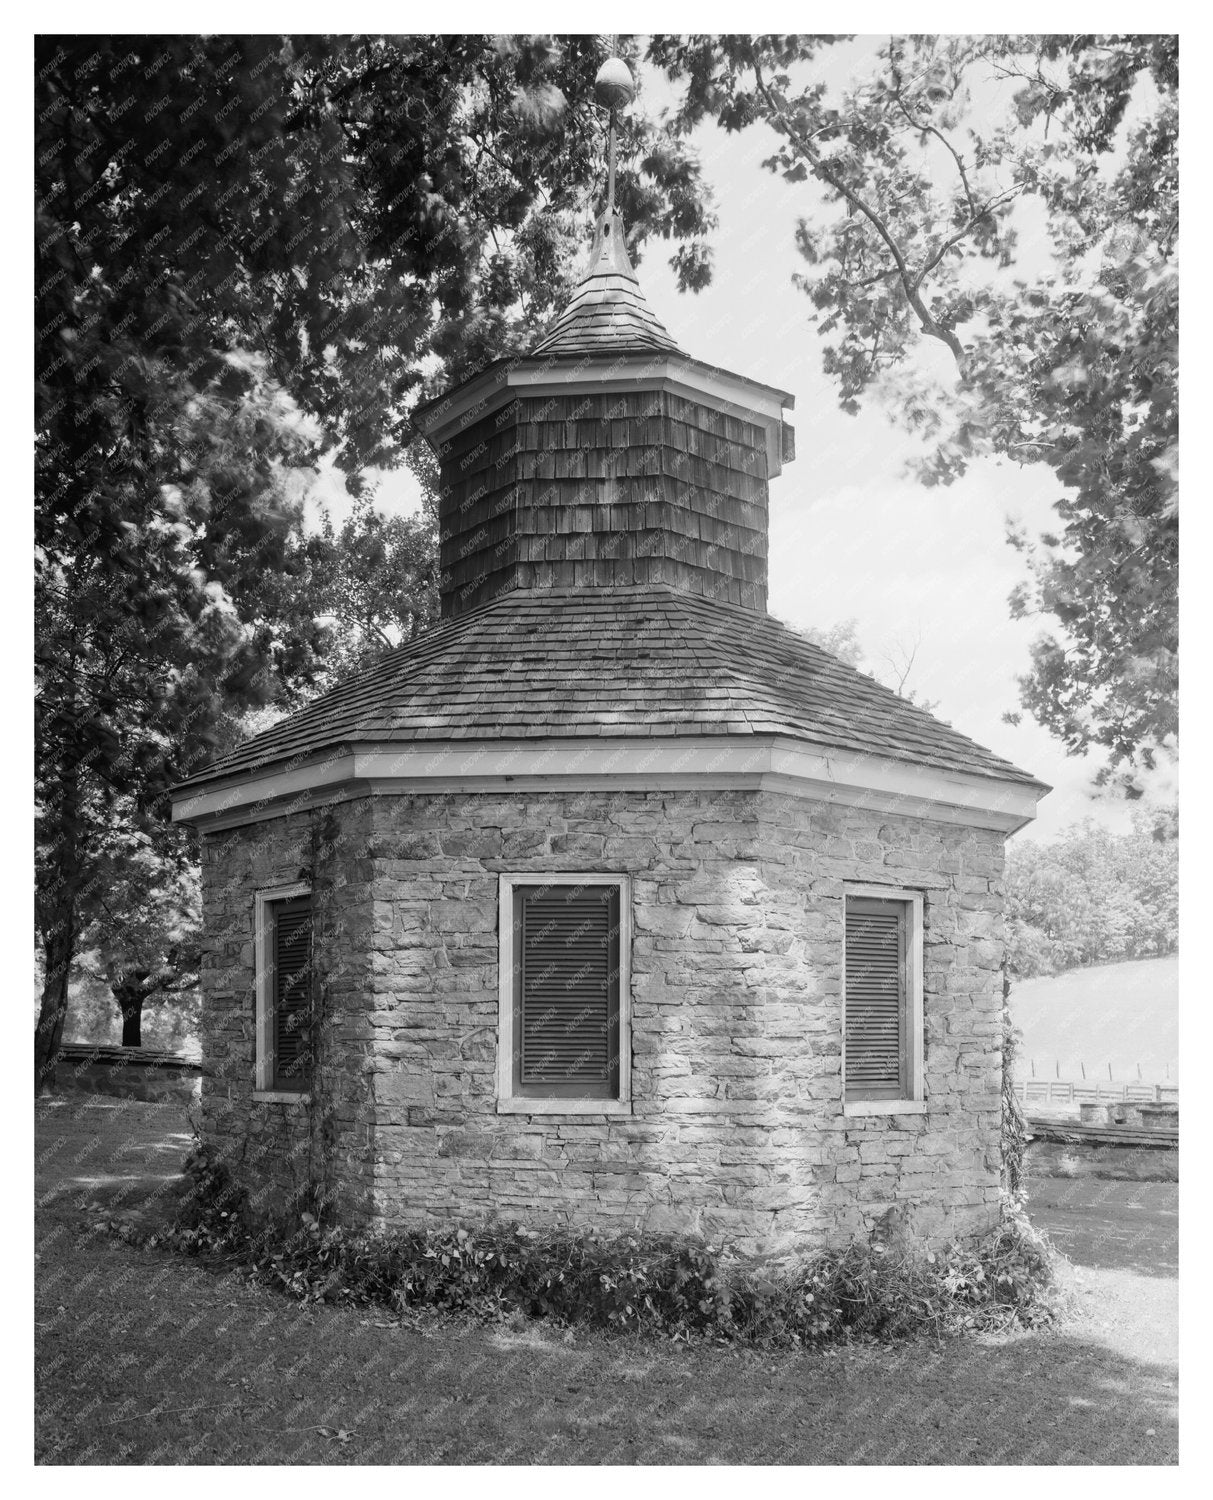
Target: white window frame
[(508, 1103), (914, 1103), (263, 927)]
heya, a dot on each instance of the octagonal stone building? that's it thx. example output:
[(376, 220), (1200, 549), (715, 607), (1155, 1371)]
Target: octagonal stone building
[(610, 900)]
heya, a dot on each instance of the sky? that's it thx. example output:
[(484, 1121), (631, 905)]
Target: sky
[(853, 536)]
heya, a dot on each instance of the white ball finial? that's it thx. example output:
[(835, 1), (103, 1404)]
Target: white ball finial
[(613, 87)]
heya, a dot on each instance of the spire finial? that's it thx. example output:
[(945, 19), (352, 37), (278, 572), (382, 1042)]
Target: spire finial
[(614, 90), (607, 314)]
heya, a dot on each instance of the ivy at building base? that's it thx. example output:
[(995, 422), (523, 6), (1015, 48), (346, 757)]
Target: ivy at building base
[(665, 1286)]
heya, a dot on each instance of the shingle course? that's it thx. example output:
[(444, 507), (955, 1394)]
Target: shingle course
[(608, 310), (652, 660)]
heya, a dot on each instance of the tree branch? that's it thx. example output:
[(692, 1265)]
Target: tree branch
[(855, 286), (910, 284), (875, 347), (928, 129), (955, 239)]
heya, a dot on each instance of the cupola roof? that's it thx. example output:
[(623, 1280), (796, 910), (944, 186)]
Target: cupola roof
[(607, 313)]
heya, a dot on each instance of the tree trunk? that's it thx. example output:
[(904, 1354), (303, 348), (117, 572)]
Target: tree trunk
[(59, 940), (57, 905), (130, 1003)]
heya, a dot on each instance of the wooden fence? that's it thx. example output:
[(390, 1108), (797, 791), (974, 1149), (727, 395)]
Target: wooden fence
[(1059, 1091)]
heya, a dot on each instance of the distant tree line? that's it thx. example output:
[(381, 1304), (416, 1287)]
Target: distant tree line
[(1094, 897)]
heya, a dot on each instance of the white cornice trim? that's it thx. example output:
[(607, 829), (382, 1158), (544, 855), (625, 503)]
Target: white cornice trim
[(683, 763), (732, 394)]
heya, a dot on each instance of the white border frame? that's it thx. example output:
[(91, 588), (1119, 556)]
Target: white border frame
[(507, 1102), (263, 1078), (915, 1102)]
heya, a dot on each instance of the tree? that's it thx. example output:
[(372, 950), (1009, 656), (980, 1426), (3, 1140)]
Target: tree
[(377, 577), (842, 641), (144, 661), (899, 658), (839, 640), (933, 174), (1094, 897), (251, 251), (143, 939)]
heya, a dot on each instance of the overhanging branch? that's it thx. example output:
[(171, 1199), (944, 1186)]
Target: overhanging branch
[(911, 281)]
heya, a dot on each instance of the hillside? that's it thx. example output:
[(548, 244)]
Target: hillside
[(1124, 1014)]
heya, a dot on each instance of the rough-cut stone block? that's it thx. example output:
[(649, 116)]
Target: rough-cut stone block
[(736, 1128)]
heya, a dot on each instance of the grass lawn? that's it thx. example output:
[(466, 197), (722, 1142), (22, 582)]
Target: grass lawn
[(144, 1358), (1125, 1014)]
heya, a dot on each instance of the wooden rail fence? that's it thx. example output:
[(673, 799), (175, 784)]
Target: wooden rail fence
[(1061, 1091)]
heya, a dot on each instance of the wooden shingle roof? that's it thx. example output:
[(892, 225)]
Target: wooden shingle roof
[(623, 662), (607, 312)]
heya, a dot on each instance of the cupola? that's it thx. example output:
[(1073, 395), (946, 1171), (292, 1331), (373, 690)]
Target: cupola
[(604, 539), (606, 457)]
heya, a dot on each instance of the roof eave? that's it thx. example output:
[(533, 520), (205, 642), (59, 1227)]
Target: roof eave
[(499, 383), (757, 762)]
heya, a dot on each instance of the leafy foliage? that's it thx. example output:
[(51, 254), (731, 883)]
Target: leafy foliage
[(214, 1210), (346, 205), (1013, 1134), (144, 657), (377, 577), (654, 1285), (942, 174), (144, 939), (1093, 897), (253, 250), (840, 640)]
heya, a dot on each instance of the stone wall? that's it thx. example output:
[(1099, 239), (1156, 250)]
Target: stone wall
[(280, 1148), (737, 1130)]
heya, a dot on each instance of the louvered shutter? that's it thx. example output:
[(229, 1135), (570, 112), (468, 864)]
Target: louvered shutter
[(567, 991), (875, 998), (292, 993)]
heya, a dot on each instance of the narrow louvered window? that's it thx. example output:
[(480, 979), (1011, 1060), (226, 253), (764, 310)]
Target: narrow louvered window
[(292, 946), (567, 991), (878, 1019), (283, 959)]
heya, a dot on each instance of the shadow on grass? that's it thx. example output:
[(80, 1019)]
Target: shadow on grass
[(1131, 1226), (180, 1366), (1054, 1398), (146, 1357), (118, 1154)]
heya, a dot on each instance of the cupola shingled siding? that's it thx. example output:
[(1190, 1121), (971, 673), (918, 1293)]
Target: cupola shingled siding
[(566, 490), (590, 462)]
